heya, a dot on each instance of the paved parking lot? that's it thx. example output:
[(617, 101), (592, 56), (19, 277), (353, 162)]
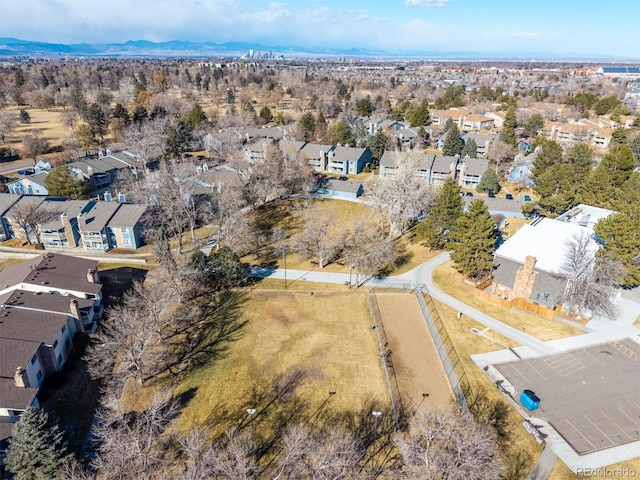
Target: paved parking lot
[(590, 396)]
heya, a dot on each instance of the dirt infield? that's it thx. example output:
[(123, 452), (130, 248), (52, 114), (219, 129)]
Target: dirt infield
[(415, 359)]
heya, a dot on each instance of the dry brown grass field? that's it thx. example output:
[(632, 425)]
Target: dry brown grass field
[(322, 339), (287, 214), (451, 282), (49, 123)]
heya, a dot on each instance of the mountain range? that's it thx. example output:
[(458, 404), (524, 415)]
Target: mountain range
[(181, 48), (174, 48)]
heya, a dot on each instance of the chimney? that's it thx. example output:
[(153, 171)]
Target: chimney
[(91, 276), (68, 230), (21, 379), (82, 221), (75, 313)]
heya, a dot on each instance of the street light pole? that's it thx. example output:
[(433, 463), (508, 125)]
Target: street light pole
[(285, 265), (252, 412), (376, 416)]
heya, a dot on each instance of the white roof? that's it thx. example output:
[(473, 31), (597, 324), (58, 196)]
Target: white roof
[(585, 215), (545, 239)]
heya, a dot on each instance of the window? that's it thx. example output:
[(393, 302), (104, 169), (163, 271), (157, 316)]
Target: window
[(59, 359), (55, 344), (33, 360), (64, 327), (39, 375)]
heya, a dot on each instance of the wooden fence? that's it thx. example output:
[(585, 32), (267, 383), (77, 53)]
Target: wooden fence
[(522, 303)]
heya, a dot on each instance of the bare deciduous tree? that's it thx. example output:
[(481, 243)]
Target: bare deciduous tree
[(444, 445), (314, 241), (501, 154), (128, 342), (28, 216), (403, 197), (319, 454), (7, 124), (591, 279), (33, 145), (133, 445), (145, 141), (367, 252)]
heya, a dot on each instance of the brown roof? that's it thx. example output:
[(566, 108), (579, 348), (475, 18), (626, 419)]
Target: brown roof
[(15, 353), (58, 271), (44, 301), (31, 325), (14, 398)]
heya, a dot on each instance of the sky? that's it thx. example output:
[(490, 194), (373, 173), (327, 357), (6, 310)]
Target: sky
[(554, 28)]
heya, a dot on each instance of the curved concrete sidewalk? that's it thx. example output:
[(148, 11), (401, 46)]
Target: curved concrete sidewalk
[(420, 275)]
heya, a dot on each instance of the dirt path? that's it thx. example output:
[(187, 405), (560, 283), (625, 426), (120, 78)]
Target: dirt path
[(415, 359)]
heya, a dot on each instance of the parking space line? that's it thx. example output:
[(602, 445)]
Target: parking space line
[(627, 415), (538, 372), (576, 368), (580, 433), (619, 427), (595, 359), (599, 429)]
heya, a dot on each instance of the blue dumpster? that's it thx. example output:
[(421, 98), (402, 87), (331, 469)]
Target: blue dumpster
[(529, 400)]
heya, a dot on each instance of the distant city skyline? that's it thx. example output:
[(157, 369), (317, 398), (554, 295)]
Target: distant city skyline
[(551, 28)]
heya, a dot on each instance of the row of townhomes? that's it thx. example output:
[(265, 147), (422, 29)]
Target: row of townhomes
[(322, 158), (528, 263), (436, 169), (44, 302), (94, 225), (101, 173), (596, 132)]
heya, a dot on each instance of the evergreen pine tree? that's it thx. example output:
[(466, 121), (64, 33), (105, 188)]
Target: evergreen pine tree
[(436, 229), (619, 234), (580, 158), (596, 189), (60, 182), (37, 450), (549, 154), (473, 241), (509, 127), (452, 142), (419, 115), (470, 148), (620, 162), (489, 182)]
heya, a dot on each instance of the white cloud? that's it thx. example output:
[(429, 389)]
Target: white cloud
[(425, 3)]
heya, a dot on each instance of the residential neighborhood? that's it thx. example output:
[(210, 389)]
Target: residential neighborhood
[(256, 266)]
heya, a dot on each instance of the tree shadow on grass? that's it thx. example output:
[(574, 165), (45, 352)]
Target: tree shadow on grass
[(208, 325)]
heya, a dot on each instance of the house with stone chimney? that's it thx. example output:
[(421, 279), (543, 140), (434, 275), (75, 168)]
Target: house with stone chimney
[(44, 302), (528, 264)]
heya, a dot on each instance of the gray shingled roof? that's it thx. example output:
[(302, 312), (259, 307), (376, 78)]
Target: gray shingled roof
[(57, 207), (37, 178), (290, 147), (7, 200), (350, 186), (24, 200), (475, 166), (128, 215), (390, 159), (98, 215), (442, 164), (344, 154), (312, 150)]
